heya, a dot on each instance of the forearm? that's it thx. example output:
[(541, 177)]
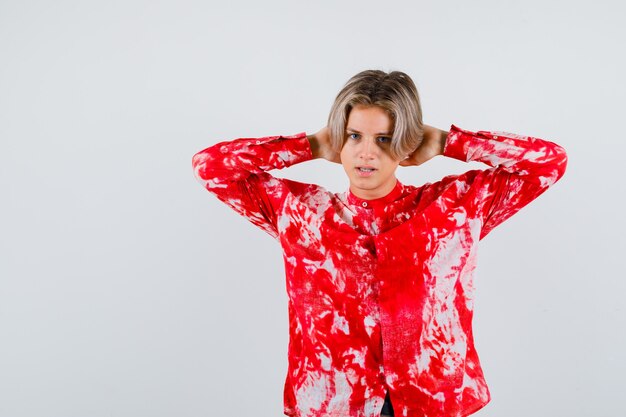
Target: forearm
[(531, 158), (435, 138), (315, 146), (237, 159), (321, 146), (432, 144)]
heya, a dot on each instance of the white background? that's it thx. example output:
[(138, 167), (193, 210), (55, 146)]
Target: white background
[(128, 290)]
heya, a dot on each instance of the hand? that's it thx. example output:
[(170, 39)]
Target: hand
[(433, 143), (321, 147)]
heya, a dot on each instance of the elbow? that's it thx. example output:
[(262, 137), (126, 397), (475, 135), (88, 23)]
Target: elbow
[(560, 162), (199, 165), (209, 170)]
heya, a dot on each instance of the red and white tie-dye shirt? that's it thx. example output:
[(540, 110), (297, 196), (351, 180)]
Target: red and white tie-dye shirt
[(381, 291)]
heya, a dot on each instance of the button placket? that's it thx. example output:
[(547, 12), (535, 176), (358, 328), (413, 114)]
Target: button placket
[(380, 249)]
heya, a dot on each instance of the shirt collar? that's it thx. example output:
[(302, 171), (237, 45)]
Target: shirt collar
[(377, 202)]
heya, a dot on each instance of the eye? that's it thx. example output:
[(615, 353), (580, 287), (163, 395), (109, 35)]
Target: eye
[(383, 139), (353, 136)]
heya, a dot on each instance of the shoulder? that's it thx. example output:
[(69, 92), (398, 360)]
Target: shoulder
[(456, 186), (308, 194), (474, 177), (298, 188)]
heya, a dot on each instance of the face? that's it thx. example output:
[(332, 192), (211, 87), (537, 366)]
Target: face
[(365, 154)]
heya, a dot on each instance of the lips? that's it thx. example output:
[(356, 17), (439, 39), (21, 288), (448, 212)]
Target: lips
[(365, 171)]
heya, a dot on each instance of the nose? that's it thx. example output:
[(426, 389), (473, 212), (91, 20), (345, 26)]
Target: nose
[(368, 149)]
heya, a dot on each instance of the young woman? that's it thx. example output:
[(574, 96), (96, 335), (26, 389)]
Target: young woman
[(380, 277)]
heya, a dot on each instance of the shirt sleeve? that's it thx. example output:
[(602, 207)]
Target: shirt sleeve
[(523, 167), (236, 173)]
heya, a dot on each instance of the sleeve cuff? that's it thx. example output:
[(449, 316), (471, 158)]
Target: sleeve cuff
[(457, 143), (290, 149)]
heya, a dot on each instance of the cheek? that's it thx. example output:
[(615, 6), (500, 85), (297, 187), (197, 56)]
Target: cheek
[(391, 166), (343, 155)]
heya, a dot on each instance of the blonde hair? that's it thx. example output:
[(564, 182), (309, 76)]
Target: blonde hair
[(395, 93)]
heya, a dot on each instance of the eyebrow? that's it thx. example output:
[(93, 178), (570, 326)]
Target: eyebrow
[(356, 131)]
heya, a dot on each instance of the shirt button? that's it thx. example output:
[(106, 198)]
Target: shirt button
[(364, 204)]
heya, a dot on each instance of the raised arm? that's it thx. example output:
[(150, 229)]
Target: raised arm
[(532, 159), (522, 167), (236, 173)]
